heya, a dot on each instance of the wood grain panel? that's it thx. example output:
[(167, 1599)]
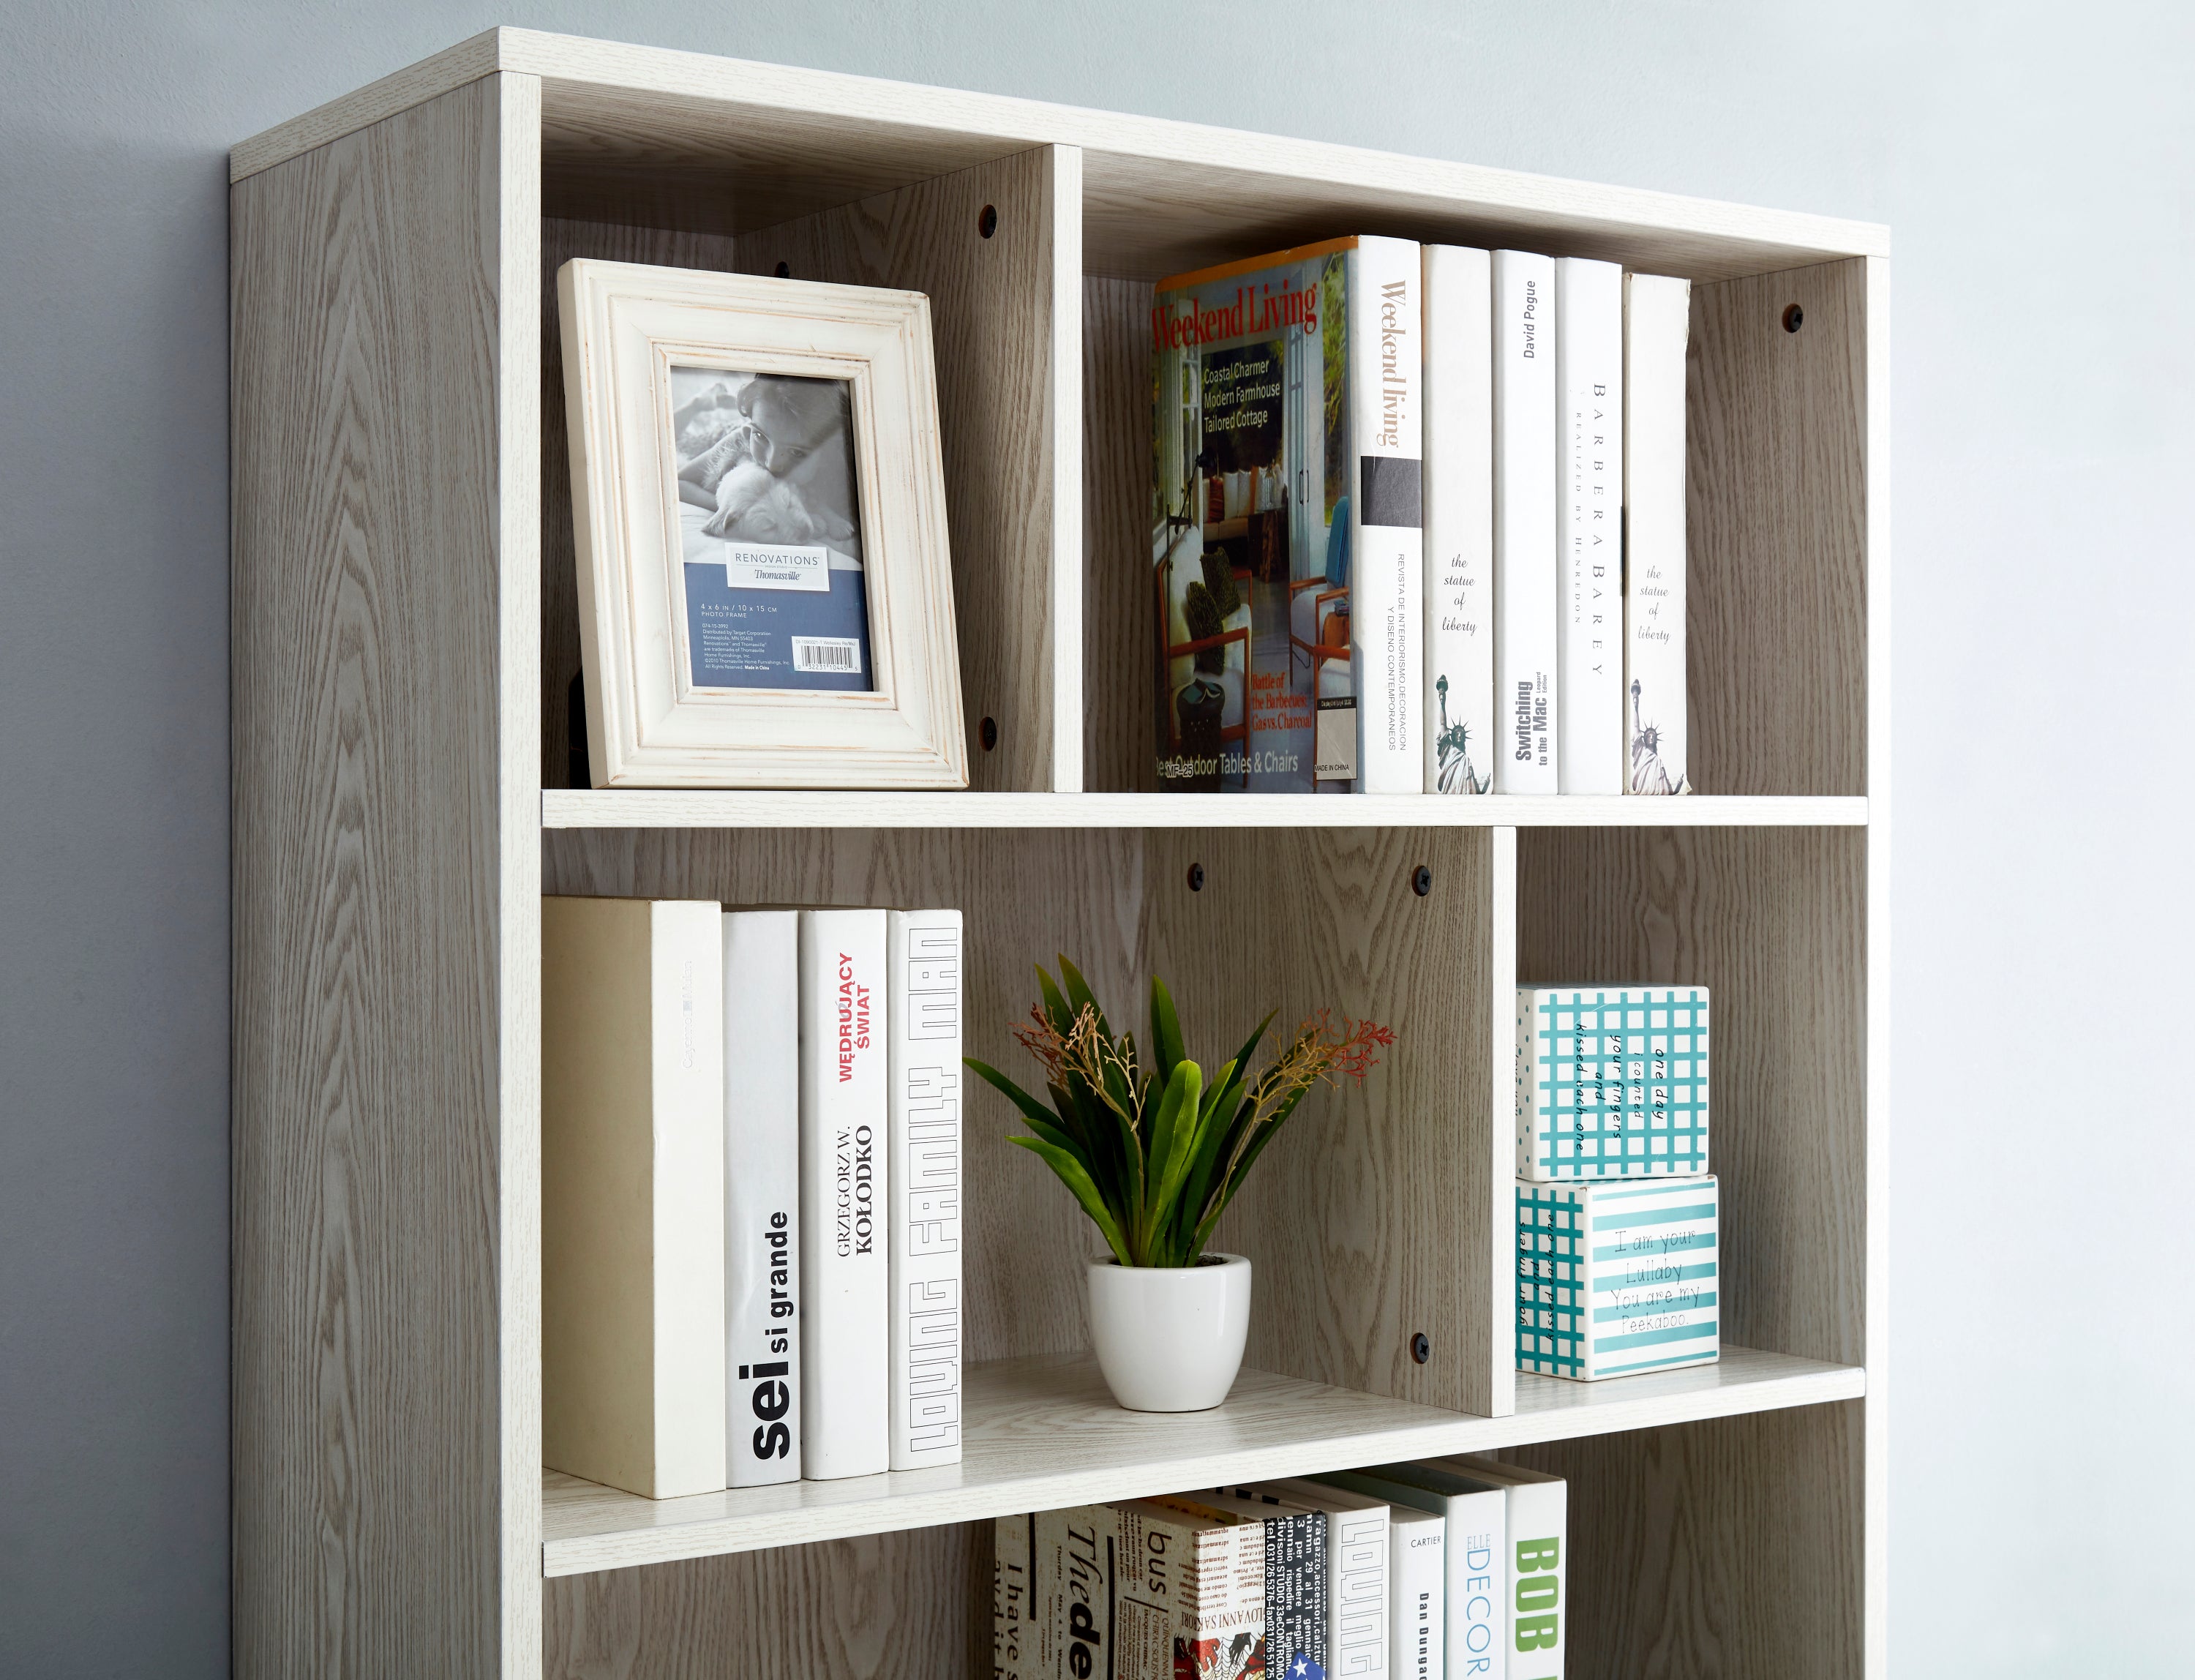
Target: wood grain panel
[(913, 1605), (1775, 508), (1772, 921), (992, 322), (1118, 655), (382, 716), (1713, 1550), (561, 240), (1367, 1221)]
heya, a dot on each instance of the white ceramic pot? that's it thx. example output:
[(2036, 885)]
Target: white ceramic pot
[(1170, 1338)]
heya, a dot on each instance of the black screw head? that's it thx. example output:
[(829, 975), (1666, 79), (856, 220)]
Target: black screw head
[(785, 271), (1793, 319), (1422, 880), (1196, 877), (1421, 1348), (988, 733), (987, 223)]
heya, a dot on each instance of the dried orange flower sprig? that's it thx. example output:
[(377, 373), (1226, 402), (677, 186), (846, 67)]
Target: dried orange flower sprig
[(1155, 1155)]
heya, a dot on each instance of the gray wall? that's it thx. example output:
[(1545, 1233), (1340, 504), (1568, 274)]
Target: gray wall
[(2035, 164)]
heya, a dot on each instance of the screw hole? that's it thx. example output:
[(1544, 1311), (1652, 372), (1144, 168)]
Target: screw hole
[(1421, 1348), (1196, 877), (988, 222), (785, 271), (1793, 319), (1422, 880), (988, 733)]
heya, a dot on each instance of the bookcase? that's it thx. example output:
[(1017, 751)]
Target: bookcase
[(405, 638)]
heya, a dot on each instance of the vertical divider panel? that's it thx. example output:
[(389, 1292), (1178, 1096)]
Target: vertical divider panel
[(997, 352), (1499, 1158), (1119, 613), (1063, 426)]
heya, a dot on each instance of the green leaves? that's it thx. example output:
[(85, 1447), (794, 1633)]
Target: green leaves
[(1153, 1154)]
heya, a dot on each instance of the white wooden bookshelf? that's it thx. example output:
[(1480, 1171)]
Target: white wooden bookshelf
[(404, 632)]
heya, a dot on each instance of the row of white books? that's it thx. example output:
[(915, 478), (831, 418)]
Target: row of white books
[(751, 1192), (1461, 572), (1451, 1569)]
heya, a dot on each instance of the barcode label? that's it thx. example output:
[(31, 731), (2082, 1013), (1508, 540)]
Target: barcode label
[(827, 653)]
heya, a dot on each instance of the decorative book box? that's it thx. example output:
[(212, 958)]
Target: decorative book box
[(1615, 1276), (1611, 1081)]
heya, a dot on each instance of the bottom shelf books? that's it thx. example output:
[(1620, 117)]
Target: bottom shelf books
[(1451, 1569)]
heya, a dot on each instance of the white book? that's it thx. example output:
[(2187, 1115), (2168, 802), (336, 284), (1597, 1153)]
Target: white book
[(761, 1196), (1536, 1566), (632, 1208), (1475, 1514), (1524, 590), (845, 1266), (1656, 322), (1459, 587), (1589, 525), (1420, 1566), (1360, 1574), (923, 958), (1387, 514)]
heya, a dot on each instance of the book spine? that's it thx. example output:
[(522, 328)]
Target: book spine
[(1386, 515), (1589, 525), (1077, 1548), (761, 1196), (1458, 730), (1478, 1527), (1525, 587), (1230, 1600), (1656, 322), (1295, 1590), (1013, 1573), (1417, 1547), (923, 959), (845, 1181), (1537, 1549)]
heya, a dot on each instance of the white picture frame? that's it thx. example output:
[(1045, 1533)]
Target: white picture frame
[(661, 710)]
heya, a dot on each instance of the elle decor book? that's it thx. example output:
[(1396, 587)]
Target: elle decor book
[(1288, 521)]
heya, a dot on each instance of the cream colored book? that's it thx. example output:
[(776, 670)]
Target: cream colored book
[(632, 1173)]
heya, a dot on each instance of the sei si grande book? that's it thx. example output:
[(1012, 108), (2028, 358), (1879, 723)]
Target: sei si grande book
[(1534, 1562), (1525, 626), (1288, 521), (1615, 1276), (1589, 524), (761, 1196), (1656, 323), (1459, 590), (922, 962), (844, 1263), (1473, 1516), (1611, 1081), (632, 1214)]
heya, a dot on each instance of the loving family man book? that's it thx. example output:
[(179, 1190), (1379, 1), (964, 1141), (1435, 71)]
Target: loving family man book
[(1287, 526)]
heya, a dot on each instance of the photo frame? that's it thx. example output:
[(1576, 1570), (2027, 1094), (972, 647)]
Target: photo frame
[(759, 507)]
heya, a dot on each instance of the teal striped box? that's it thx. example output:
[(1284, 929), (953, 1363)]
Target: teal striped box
[(1615, 1276), (1611, 1081)]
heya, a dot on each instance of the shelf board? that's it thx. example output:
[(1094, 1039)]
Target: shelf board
[(1043, 1433), (764, 808)]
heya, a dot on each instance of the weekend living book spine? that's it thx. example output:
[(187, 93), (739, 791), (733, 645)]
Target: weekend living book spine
[(1458, 731), (1524, 589), (761, 1196), (1656, 322), (1591, 742), (1286, 521), (844, 1269), (923, 961)]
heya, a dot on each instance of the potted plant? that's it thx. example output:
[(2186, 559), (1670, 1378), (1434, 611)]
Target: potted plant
[(1154, 1151)]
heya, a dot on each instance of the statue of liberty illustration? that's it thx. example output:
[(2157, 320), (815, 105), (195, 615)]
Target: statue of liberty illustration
[(1648, 773), (1452, 772)]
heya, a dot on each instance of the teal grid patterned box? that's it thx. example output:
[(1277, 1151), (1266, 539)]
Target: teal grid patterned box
[(1615, 1276), (1611, 1081)]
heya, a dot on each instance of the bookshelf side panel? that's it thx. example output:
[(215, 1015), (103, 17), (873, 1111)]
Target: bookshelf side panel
[(1777, 533), (1119, 620), (377, 879), (992, 319)]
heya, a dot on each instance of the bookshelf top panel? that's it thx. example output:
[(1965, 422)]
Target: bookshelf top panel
[(726, 145), (1043, 1433), (728, 808)]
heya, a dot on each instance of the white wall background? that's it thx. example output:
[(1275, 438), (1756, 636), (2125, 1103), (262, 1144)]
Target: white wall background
[(2037, 165)]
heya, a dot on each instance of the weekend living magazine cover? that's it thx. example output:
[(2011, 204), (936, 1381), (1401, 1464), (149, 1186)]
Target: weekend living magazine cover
[(1266, 630)]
